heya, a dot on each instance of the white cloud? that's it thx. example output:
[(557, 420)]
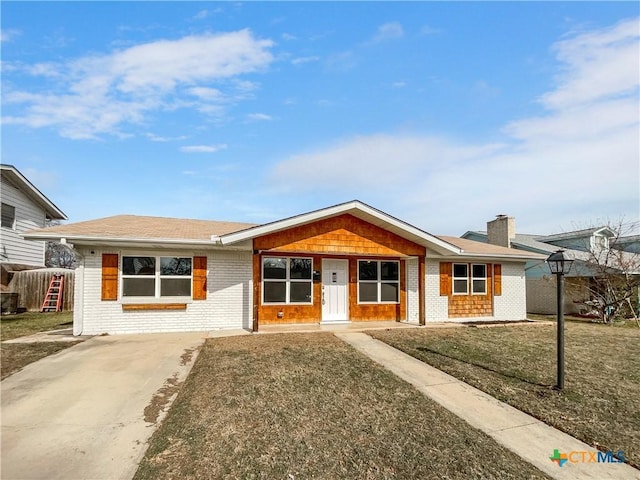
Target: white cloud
[(159, 138), (388, 31), (8, 35), (577, 161), (301, 60), (203, 148), (259, 117), (100, 93)]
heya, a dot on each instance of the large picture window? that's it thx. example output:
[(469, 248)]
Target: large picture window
[(378, 281), (287, 280), (156, 276), (467, 276)]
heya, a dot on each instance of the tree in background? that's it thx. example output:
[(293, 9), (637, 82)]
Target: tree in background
[(59, 255), (610, 277)]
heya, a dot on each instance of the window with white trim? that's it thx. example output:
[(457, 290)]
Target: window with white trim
[(8, 216), (479, 279), (460, 279), (378, 281), (469, 275), (156, 277), (287, 280)]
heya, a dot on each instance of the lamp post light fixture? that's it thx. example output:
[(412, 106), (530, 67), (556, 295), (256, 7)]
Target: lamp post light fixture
[(560, 266)]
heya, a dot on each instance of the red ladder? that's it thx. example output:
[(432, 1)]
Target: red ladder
[(53, 298)]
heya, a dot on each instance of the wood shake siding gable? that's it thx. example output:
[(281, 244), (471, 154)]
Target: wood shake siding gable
[(340, 235)]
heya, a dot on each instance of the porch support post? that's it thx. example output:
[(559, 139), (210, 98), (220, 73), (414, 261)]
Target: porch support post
[(256, 289), (421, 289)]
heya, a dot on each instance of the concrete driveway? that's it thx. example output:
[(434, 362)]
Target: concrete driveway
[(87, 412)]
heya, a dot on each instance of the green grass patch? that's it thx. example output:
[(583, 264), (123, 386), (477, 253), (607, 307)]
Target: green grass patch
[(600, 403), (310, 406), (28, 323), (16, 356)]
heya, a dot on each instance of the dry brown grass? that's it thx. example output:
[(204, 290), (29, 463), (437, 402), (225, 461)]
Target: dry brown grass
[(16, 356), (309, 406), (28, 323), (601, 400)]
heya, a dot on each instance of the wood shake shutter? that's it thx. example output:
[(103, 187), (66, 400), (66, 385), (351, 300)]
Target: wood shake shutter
[(497, 279), (445, 278), (199, 278), (109, 276)]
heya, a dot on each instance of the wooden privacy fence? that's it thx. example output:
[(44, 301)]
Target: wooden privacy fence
[(31, 287)]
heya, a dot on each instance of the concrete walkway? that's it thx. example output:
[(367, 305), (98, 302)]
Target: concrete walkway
[(524, 435), (88, 411)]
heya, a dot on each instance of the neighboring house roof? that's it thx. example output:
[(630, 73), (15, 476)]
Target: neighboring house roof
[(521, 241), (587, 232), (20, 181), (160, 231), (473, 248)]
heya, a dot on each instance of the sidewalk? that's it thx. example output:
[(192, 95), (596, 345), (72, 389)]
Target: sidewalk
[(524, 435)]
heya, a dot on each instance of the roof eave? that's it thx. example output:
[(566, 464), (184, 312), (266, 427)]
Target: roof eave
[(51, 210), (95, 240)]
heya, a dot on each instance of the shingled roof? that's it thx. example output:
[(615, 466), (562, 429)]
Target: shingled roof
[(136, 226)]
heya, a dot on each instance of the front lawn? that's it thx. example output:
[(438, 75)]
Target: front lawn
[(517, 364), (294, 406), (15, 356)]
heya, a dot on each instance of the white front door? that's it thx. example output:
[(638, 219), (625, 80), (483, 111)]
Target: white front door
[(335, 290)]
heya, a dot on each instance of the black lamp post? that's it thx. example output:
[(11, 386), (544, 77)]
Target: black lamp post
[(559, 266)]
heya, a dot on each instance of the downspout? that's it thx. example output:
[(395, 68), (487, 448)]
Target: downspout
[(78, 297)]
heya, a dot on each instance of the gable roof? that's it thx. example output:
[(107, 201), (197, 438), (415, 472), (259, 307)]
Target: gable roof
[(20, 181), (355, 208), (160, 232)]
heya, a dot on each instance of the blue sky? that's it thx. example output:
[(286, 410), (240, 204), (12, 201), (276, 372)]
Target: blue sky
[(442, 114)]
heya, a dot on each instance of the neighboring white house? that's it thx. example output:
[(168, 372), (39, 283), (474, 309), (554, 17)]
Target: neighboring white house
[(24, 207), (349, 262)]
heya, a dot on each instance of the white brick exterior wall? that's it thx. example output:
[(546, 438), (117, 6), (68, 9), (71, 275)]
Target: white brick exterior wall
[(512, 304), (437, 307), (413, 298), (228, 304)]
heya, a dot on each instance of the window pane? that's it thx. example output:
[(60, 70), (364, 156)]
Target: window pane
[(138, 287), (300, 268), (368, 292), (275, 292), (274, 267), (300, 292), (459, 269), (175, 266), (138, 265), (460, 286), (368, 270), (175, 287), (479, 286), (479, 271), (8, 215), (389, 271), (389, 292)]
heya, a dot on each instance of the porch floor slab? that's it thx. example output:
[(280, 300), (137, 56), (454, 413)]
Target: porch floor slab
[(334, 327)]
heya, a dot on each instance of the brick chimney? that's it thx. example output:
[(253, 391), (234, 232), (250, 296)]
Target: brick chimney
[(501, 230)]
